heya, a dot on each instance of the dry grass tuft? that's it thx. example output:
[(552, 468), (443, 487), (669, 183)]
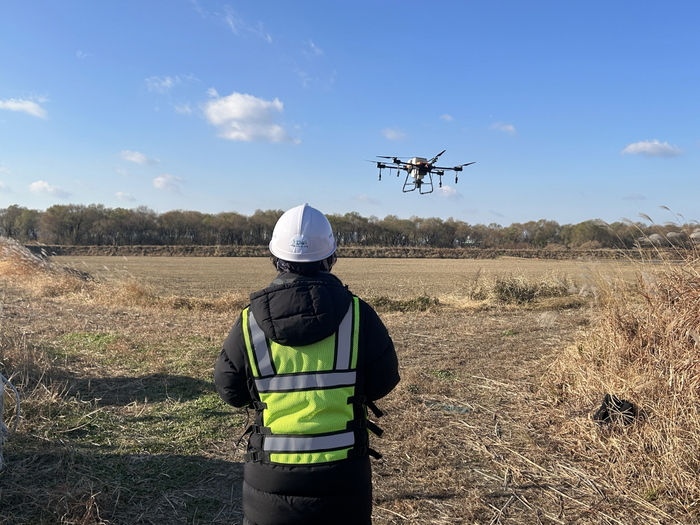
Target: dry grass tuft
[(644, 348), (551, 291), (42, 278), (36, 273), (15, 259), (421, 303)]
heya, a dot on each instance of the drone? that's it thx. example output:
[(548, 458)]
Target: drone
[(417, 169)]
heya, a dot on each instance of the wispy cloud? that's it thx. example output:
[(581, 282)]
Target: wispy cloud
[(198, 8), (4, 169), (41, 186), (504, 127), (312, 50), (652, 148), (82, 55), (157, 84), (448, 192), (393, 134), (366, 199), (446, 117), (137, 157), (167, 183), (246, 118), (240, 27), (125, 196), (634, 197), (28, 106), (184, 109), (4, 188)]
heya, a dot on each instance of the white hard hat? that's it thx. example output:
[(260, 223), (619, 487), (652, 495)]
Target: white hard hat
[(302, 234)]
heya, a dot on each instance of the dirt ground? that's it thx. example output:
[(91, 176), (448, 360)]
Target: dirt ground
[(467, 432)]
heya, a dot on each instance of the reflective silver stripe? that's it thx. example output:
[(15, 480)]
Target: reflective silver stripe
[(345, 340), (262, 356), (305, 382), (308, 443)]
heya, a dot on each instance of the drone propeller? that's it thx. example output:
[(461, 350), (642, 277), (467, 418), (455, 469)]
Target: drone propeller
[(459, 168), (435, 158), (456, 168), (395, 160)]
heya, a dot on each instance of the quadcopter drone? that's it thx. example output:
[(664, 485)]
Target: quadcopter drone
[(417, 169)]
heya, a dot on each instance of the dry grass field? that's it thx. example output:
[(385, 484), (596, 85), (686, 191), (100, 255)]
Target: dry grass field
[(395, 278), (502, 363)]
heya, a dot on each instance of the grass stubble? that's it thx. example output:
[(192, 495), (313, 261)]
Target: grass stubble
[(490, 424)]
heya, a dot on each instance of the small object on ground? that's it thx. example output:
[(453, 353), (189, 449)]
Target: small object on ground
[(615, 410)]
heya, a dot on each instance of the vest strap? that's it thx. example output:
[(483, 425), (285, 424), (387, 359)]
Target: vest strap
[(260, 429), (364, 423), (257, 455), (374, 453), (358, 452), (374, 428), (258, 405), (375, 410)]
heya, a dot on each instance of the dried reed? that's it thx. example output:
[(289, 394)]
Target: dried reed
[(644, 348)]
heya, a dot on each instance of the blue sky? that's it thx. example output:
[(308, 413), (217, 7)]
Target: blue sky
[(571, 110)]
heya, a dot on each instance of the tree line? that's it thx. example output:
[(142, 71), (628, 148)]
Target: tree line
[(96, 225)]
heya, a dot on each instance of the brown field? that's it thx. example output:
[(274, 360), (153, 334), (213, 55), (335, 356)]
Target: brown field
[(128, 428), (395, 278)]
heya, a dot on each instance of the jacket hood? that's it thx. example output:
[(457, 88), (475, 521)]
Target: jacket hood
[(298, 310)]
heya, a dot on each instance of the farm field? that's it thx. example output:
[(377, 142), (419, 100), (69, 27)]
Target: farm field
[(122, 424), (395, 278)]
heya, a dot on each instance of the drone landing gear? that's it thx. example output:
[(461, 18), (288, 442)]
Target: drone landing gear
[(422, 186)]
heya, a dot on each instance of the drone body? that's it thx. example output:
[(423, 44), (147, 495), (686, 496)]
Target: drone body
[(419, 172)]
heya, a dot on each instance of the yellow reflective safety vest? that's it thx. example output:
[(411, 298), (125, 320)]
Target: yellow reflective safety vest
[(309, 411)]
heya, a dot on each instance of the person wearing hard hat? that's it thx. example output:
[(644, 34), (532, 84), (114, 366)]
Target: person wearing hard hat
[(310, 358)]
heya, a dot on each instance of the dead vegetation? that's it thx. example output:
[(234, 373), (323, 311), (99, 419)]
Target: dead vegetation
[(644, 350), (490, 424)]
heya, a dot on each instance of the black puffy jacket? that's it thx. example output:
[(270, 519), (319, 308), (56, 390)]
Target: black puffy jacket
[(294, 311)]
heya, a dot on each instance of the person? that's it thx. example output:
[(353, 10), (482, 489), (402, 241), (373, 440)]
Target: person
[(310, 357)]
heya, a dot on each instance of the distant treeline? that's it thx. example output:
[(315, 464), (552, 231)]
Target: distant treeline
[(96, 225)]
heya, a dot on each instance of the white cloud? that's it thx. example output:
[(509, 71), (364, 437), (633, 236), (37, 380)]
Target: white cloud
[(4, 169), (4, 188), (28, 106), (313, 50), (184, 109), (167, 182), (41, 186), (446, 117), (448, 192), (198, 8), (125, 196), (246, 118), (240, 27), (393, 134), (161, 84), (502, 126), (652, 148), (82, 55), (366, 199), (137, 157)]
